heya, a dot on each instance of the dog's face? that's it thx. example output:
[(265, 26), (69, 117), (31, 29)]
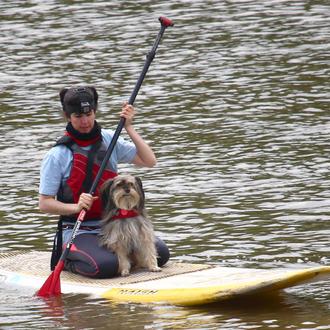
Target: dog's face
[(123, 192)]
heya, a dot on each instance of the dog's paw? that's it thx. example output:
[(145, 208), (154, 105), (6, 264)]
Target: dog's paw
[(124, 272), (155, 269)]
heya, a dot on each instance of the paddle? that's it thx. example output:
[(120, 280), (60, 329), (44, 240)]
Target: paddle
[(52, 285)]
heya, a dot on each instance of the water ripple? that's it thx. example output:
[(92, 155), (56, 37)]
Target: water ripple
[(235, 106)]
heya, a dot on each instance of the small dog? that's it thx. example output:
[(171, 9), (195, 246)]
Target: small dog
[(125, 227)]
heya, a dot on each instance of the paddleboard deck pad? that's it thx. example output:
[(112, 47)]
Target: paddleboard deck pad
[(184, 284)]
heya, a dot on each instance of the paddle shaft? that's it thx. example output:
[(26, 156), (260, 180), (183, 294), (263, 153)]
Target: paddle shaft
[(150, 56), (52, 284)]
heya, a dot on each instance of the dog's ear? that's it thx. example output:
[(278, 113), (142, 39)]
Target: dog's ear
[(105, 193), (141, 192)]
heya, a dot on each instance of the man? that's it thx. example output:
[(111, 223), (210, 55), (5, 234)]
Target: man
[(67, 173)]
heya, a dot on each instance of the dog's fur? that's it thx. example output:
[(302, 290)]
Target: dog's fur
[(132, 239)]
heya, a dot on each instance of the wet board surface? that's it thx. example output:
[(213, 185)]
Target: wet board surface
[(178, 283)]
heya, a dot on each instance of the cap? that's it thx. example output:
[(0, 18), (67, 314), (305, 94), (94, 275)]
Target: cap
[(78, 100)]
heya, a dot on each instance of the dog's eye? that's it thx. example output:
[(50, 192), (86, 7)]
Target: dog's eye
[(125, 185)]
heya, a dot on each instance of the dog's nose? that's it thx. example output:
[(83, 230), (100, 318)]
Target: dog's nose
[(127, 190)]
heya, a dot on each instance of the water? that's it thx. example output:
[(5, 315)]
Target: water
[(235, 106)]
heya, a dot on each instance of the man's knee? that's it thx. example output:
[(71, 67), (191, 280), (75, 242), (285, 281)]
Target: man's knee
[(163, 252)]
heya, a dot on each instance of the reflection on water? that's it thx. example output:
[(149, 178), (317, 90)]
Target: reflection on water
[(79, 312), (235, 105)]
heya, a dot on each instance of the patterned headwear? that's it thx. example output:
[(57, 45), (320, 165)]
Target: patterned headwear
[(78, 100)]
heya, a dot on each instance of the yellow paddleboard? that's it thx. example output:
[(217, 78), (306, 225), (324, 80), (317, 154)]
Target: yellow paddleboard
[(182, 284)]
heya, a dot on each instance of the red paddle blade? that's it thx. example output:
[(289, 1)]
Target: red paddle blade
[(52, 286)]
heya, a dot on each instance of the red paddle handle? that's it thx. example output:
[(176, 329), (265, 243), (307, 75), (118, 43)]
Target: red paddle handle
[(165, 21)]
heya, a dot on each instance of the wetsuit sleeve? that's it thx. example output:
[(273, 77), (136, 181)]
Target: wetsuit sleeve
[(124, 151), (52, 171)]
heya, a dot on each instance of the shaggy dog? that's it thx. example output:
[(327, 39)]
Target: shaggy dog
[(125, 227)]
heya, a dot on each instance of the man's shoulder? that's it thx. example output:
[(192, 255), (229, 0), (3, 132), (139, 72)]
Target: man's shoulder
[(59, 152), (107, 135), (106, 132)]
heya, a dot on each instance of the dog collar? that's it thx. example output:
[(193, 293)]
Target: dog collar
[(122, 214)]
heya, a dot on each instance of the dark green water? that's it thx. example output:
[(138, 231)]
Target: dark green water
[(236, 106)]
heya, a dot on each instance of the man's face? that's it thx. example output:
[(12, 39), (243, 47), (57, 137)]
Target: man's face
[(83, 123)]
